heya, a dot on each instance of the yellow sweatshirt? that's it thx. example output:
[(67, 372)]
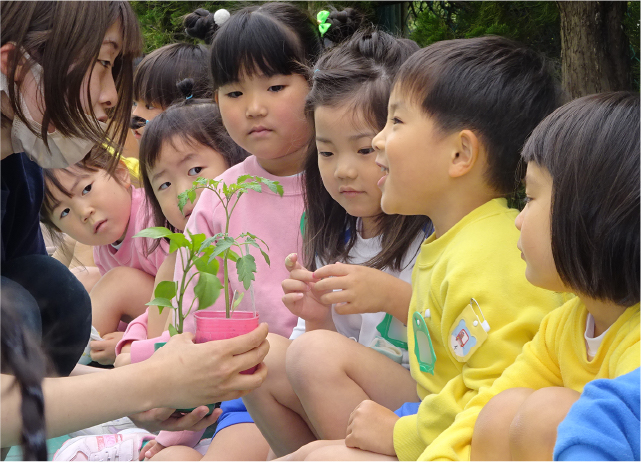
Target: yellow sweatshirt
[(556, 357), (477, 258)]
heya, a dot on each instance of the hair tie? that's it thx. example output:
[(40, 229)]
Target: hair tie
[(316, 70), (190, 96), (321, 17)]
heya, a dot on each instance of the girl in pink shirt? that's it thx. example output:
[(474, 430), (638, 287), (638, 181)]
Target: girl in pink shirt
[(100, 208)]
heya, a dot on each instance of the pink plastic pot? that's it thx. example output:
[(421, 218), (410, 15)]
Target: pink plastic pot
[(213, 325)]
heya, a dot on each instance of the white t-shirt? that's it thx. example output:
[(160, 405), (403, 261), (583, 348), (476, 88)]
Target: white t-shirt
[(592, 343), (362, 327)]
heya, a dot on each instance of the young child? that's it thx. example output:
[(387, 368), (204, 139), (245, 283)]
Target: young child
[(103, 210), (185, 142), (156, 77), (260, 60), (344, 223), (458, 115), (573, 239)]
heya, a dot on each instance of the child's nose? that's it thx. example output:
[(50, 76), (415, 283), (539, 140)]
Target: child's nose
[(87, 211), (378, 142), (255, 107), (519, 220), (345, 169)]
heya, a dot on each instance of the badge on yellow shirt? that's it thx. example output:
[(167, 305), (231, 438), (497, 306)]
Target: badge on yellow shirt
[(469, 332)]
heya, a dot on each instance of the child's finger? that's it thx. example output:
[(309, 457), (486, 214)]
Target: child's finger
[(334, 270), (290, 261), (293, 285), (333, 283), (301, 274), (97, 344)]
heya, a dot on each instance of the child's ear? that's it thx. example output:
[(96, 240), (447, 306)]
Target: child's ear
[(122, 173), (463, 160)]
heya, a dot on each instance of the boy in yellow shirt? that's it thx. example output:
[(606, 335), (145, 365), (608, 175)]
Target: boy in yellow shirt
[(458, 115), (579, 233)]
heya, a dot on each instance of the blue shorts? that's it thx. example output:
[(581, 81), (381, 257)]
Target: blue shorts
[(234, 412), (407, 409)]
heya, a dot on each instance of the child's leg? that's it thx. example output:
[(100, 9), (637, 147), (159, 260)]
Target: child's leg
[(238, 442), (178, 453), (120, 294), (87, 275), (520, 424), (333, 450), (533, 431), (275, 407), (490, 440), (332, 374)]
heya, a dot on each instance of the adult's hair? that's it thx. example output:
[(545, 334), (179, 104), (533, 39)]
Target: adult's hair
[(99, 158), (272, 38), (158, 73), (23, 358), (358, 74), (491, 85), (65, 39), (590, 146), (194, 122)]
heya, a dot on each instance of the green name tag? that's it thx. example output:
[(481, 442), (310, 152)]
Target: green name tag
[(423, 344)]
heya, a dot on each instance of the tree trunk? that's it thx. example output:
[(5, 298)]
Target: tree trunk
[(594, 48)]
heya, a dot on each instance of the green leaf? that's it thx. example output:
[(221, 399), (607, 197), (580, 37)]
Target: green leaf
[(266, 257), (207, 242), (191, 194), (196, 241), (155, 232), (243, 178), (178, 240), (159, 301), (166, 289), (172, 330), (274, 186), (182, 200), (207, 290), (246, 267), (238, 297), (205, 266), (222, 245)]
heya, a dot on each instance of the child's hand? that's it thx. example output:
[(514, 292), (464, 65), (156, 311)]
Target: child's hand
[(371, 428), (169, 419), (301, 296), (361, 289), (104, 351), (151, 449)]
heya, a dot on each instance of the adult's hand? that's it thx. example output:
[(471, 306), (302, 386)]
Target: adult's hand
[(190, 375), (169, 419)]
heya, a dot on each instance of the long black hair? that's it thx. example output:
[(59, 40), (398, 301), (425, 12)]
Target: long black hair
[(359, 73)]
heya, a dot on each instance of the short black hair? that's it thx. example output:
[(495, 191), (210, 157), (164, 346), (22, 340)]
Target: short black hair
[(491, 85), (273, 38), (158, 73), (590, 147)]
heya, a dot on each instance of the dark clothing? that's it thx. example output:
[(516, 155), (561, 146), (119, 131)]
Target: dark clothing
[(53, 304)]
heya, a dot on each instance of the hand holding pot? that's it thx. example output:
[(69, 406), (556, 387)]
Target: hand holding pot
[(189, 374), (302, 297)]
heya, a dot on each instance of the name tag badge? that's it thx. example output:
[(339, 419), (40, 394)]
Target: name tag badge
[(423, 348), (394, 331), (469, 332)]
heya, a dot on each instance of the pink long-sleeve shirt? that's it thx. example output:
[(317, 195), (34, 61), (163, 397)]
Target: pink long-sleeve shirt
[(132, 251), (275, 220)]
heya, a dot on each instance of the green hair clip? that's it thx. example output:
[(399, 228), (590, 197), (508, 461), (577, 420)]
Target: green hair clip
[(321, 17)]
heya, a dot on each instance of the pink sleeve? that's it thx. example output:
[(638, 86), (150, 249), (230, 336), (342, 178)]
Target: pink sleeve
[(143, 349), (183, 438), (136, 330)]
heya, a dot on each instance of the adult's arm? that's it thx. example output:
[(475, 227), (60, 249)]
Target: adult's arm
[(180, 375)]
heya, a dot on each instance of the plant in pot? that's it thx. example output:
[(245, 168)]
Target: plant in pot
[(202, 256)]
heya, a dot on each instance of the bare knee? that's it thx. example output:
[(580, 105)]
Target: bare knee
[(533, 431), (490, 440), (309, 354)]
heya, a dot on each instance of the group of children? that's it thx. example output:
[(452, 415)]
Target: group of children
[(417, 321)]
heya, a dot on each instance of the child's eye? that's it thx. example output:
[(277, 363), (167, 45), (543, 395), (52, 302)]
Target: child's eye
[(234, 94), (526, 200), (105, 63), (150, 107), (276, 88), (164, 186), (134, 104), (64, 213), (325, 153), (194, 171), (86, 189), (366, 150), (396, 120)]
